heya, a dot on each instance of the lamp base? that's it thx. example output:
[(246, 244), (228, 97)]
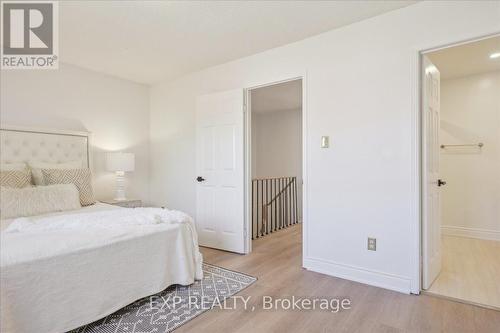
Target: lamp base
[(120, 186)]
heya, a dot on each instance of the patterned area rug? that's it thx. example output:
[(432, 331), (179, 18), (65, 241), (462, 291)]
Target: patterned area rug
[(174, 306)]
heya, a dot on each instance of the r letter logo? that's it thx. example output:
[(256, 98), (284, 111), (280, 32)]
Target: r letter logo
[(29, 35)]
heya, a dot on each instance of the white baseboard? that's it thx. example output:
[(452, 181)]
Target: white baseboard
[(470, 232), (358, 274)]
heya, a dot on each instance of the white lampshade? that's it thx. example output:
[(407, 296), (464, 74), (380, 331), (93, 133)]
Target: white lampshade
[(118, 161)]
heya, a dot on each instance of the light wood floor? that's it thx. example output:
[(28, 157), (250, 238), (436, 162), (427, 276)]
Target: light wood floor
[(276, 261), (470, 271)]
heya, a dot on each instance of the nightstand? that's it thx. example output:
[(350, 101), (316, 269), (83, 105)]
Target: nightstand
[(128, 203)]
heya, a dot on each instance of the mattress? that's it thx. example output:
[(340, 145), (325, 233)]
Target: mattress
[(60, 280)]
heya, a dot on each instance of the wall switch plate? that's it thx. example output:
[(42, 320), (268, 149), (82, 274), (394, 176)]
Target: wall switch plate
[(325, 142), (372, 244)]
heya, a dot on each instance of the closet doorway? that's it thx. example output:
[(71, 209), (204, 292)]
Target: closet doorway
[(461, 172)]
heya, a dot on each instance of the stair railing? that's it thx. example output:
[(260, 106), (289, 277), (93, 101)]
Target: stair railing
[(274, 205)]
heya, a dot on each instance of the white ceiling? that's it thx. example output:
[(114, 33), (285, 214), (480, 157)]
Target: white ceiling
[(467, 59), (278, 97), (150, 41)]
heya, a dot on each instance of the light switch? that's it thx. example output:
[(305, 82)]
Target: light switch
[(372, 244), (325, 142)]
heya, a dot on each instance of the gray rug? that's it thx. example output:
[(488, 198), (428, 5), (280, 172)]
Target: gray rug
[(173, 307)]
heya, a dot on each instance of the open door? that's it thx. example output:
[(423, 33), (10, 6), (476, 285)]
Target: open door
[(431, 228), (220, 218)]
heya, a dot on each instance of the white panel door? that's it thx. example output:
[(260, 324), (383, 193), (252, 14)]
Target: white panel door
[(431, 229), (220, 182)]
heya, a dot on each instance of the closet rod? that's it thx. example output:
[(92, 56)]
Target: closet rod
[(480, 145)]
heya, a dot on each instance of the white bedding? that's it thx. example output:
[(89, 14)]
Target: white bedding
[(60, 271)]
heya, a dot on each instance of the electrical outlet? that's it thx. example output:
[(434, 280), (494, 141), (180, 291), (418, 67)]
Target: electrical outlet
[(372, 244)]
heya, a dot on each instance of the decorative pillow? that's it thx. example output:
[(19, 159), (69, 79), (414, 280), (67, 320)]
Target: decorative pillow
[(13, 166), (80, 177), (36, 169), (29, 201), (15, 178)]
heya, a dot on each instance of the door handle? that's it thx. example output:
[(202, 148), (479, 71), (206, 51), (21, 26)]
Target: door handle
[(441, 182), (200, 179)]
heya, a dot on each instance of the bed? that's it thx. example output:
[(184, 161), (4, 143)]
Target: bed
[(58, 279)]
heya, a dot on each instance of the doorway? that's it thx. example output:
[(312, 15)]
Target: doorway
[(224, 165), (460, 172), (275, 162)]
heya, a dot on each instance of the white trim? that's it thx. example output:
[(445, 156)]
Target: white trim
[(359, 274), (44, 130), (416, 209), (247, 127), (275, 81), (415, 184), (463, 41), (305, 174), (248, 161), (477, 233)]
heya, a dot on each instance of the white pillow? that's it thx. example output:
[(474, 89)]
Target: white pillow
[(12, 166), (36, 169), (29, 201)]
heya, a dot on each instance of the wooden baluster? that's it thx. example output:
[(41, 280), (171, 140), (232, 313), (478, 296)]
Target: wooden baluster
[(275, 204), (261, 204), (282, 196), (297, 207), (267, 207), (258, 217), (288, 218), (285, 198), (289, 195), (271, 184), (294, 200), (253, 205)]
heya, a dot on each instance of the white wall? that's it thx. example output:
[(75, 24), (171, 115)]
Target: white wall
[(71, 98), (359, 91), (277, 146), (470, 113)]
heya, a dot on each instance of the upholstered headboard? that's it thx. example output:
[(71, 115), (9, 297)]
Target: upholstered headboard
[(23, 145)]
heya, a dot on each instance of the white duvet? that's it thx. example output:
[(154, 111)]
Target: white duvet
[(101, 219), (60, 272)]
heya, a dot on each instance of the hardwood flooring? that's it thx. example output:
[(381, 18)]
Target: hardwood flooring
[(276, 262), (470, 271)]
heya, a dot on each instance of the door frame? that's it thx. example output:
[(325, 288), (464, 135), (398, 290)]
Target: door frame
[(416, 148), (248, 158)]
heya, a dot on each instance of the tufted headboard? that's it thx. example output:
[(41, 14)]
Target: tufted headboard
[(52, 146)]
